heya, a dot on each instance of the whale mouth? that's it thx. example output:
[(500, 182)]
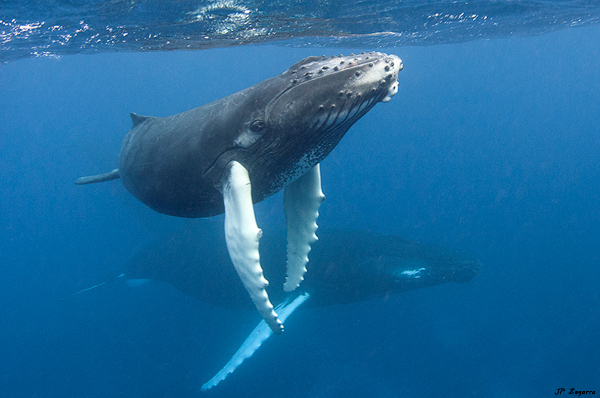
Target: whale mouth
[(312, 68), (343, 88), (323, 98), (368, 79), (360, 81)]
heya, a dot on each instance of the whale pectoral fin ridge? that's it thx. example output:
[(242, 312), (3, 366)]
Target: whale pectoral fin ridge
[(242, 236), (301, 201), (111, 175), (258, 336)]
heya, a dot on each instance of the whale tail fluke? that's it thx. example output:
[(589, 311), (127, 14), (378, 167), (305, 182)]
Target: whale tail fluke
[(111, 175), (87, 289)]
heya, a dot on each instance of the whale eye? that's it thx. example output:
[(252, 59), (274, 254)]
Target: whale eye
[(257, 126)]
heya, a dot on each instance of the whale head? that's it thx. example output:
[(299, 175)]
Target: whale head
[(408, 265), (317, 101), (368, 265)]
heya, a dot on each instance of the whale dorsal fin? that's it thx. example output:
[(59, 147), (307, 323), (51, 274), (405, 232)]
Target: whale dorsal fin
[(138, 119)]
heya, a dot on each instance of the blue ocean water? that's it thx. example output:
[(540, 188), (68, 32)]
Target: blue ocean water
[(490, 146), (36, 28)]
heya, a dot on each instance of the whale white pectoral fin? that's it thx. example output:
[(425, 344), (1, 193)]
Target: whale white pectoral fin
[(301, 201), (258, 336), (242, 236)]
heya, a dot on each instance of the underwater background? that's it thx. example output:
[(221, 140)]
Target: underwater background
[(490, 146)]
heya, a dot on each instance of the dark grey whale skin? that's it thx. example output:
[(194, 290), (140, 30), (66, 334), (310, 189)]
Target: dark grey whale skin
[(345, 266), (277, 129)]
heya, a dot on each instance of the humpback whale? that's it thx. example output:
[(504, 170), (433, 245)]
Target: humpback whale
[(346, 266), (225, 156)]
